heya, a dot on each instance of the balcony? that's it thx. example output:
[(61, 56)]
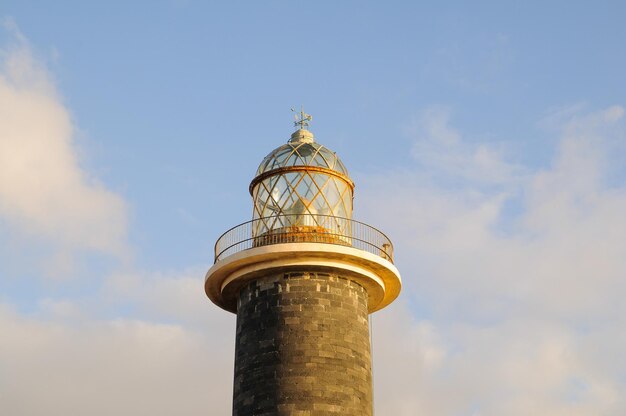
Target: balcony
[(303, 228)]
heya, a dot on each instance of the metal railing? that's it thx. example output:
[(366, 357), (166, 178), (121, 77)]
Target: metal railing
[(303, 228)]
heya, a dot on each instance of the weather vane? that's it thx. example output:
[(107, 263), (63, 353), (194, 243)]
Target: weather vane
[(302, 118)]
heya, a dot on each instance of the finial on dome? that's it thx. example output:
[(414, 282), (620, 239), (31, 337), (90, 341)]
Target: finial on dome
[(302, 135), (302, 119)]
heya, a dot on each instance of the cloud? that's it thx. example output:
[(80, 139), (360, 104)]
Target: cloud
[(65, 359), (516, 367), (132, 343), (441, 151), (176, 297), (45, 194), (519, 279)]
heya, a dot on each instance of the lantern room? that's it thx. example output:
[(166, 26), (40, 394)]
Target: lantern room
[(301, 184)]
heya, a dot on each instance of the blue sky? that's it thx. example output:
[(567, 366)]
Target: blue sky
[(486, 138)]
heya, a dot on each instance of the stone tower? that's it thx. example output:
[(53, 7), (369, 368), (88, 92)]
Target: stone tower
[(302, 277)]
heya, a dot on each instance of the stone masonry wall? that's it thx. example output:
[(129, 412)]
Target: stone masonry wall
[(302, 347)]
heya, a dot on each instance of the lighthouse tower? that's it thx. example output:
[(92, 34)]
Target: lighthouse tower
[(302, 277)]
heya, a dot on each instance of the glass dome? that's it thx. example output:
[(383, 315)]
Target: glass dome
[(301, 184), (298, 153)]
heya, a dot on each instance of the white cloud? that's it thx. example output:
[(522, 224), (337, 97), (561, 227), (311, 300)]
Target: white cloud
[(526, 306), (63, 359), (177, 296), (45, 194), (517, 367), (143, 343), (441, 149)]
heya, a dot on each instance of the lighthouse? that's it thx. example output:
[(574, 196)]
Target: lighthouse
[(302, 277)]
